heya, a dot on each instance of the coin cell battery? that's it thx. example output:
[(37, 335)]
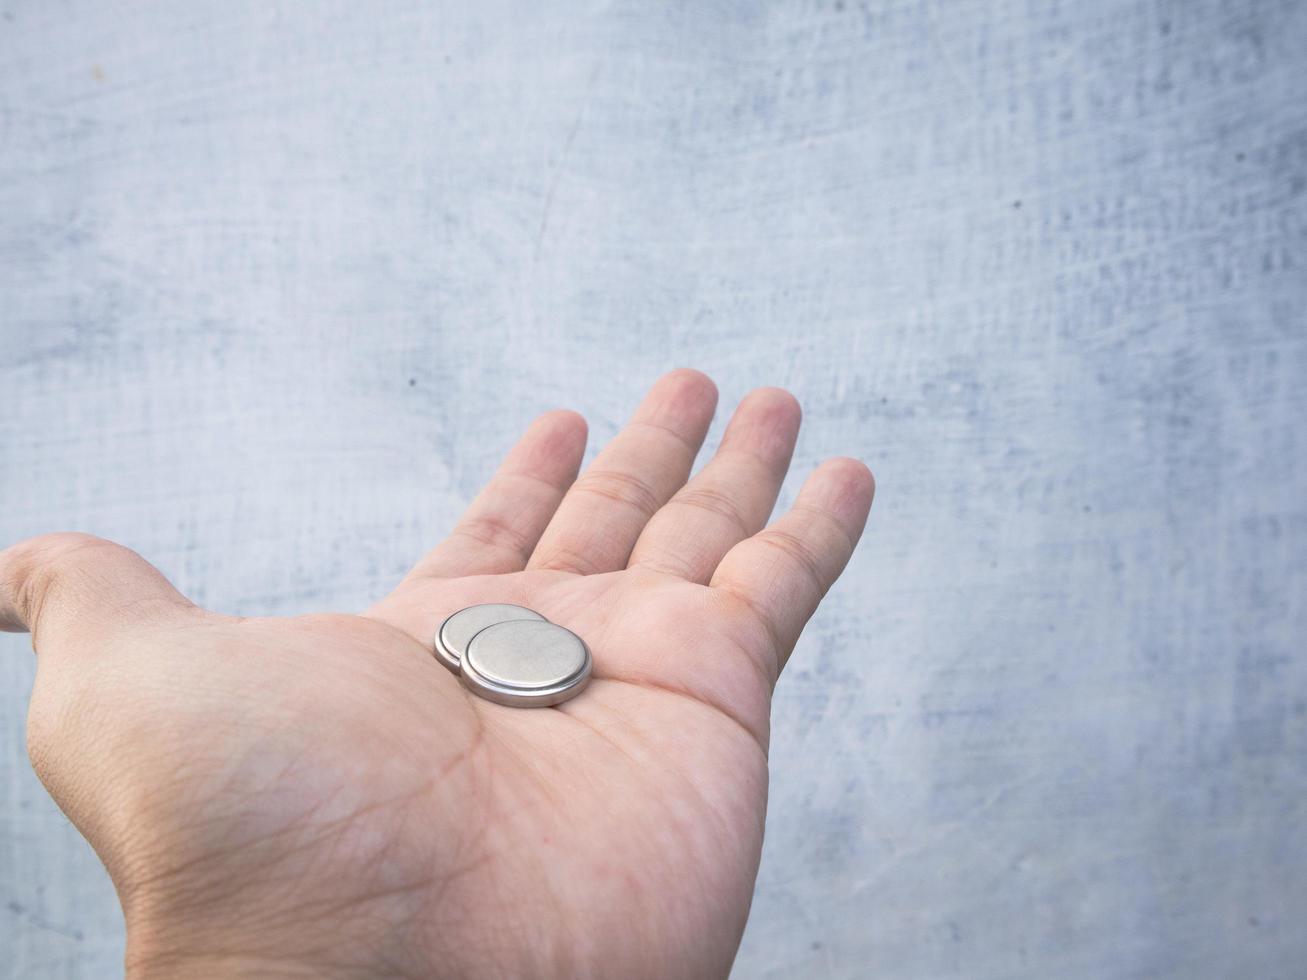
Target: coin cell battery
[(526, 664), (455, 632)]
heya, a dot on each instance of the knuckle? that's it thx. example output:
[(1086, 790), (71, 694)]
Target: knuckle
[(661, 431), (494, 532), (660, 562), (713, 502), (823, 522), (620, 487), (560, 559), (798, 552)]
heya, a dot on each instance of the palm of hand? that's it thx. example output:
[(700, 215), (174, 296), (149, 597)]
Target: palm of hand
[(344, 803)]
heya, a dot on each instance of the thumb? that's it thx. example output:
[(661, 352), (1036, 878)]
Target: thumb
[(61, 587)]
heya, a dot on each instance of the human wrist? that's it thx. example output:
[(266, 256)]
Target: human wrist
[(186, 967), (182, 951), (210, 919)]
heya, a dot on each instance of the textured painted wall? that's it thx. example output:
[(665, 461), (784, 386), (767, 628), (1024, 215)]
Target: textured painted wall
[(277, 286)]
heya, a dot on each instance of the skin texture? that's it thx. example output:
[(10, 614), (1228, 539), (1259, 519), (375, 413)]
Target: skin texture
[(317, 796)]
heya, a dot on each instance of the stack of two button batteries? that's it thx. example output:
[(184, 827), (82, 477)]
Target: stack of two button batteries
[(512, 655)]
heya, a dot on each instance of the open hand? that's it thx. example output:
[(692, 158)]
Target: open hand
[(318, 796)]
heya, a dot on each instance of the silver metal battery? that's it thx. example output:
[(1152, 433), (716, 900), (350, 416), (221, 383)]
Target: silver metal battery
[(455, 632), (526, 664)]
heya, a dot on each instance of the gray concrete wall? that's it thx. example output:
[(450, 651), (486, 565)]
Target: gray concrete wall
[(277, 286)]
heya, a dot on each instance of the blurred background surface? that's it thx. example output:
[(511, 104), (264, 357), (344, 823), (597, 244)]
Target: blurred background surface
[(278, 284)]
